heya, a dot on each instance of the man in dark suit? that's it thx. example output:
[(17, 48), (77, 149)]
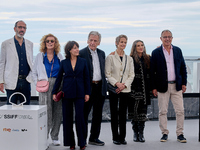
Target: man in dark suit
[(169, 78), (96, 64)]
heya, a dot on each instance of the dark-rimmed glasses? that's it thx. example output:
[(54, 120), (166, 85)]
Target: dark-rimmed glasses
[(165, 37), (20, 27), (47, 41)]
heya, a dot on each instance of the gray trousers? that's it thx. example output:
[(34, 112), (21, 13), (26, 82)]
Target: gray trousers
[(54, 111)]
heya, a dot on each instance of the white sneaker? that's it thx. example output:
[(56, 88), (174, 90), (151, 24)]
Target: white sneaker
[(56, 142)]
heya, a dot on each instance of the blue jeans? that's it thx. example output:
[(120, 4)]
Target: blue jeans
[(23, 86)]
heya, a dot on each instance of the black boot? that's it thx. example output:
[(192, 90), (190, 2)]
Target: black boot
[(135, 130), (141, 131)]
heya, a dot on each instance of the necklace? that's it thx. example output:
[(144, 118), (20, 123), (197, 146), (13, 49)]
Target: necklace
[(73, 63)]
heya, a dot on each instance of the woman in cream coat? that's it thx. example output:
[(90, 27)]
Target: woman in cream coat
[(46, 67), (114, 68)]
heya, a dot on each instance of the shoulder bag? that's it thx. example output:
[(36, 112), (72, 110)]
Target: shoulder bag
[(43, 85), (112, 88)]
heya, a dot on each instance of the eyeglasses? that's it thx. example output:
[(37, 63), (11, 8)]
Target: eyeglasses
[(47, 41), (20, 27), (165, 37)]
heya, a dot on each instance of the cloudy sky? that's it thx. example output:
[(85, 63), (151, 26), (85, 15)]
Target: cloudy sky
[(74, 19)]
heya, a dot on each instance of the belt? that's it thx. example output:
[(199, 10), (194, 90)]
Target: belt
[(171, 82), (96, 82), (22, 76)]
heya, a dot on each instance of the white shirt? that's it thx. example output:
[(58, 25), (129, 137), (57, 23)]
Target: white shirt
[(96, 66)]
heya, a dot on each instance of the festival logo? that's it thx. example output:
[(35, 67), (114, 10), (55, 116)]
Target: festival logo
[(7, 129), (13, 116), (15, 130), (24, 130)]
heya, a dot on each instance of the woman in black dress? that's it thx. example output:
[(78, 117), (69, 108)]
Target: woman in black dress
[(140, 90)]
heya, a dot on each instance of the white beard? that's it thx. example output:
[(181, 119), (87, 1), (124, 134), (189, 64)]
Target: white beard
[(20, 36)]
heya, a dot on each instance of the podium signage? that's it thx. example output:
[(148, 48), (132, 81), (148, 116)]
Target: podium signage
[(23, 128)]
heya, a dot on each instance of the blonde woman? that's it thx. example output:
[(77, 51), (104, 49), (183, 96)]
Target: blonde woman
[(119, 71), (46, 67)]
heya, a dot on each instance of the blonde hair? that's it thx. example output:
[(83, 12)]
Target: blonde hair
[(43, 47), (118, 39)]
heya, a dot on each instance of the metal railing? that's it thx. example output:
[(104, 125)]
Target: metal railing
[(34, 101)]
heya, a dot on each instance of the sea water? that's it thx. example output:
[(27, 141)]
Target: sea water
[(189, 60)]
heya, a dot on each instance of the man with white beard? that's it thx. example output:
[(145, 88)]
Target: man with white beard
[(16, 61)]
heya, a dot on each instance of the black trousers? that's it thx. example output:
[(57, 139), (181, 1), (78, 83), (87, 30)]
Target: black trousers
[(96, 102), (24, 87), (68, 132), (118, 109)]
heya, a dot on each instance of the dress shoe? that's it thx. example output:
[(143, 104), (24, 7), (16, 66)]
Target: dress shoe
[(72, 147), (123, 142), (116, 142), (82, 148), (96, 142)]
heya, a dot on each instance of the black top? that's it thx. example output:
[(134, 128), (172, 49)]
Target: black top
[(23, 64)]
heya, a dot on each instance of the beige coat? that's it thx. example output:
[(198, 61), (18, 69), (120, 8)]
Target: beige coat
[(114, 68), (9, 63)]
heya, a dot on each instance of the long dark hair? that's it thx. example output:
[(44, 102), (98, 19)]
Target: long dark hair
[(134, 54), (68, 47)]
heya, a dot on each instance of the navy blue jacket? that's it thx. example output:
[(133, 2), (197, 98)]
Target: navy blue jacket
[(159, 75), (76, 84), (85, 53)]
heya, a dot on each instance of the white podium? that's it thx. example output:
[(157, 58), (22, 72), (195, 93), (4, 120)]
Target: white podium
[(23, 127)]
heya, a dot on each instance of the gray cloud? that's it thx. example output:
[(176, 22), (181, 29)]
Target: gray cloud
[(74, 19)]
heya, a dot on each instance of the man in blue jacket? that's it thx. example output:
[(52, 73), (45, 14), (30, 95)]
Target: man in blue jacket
[(96, 63), (169, 78)]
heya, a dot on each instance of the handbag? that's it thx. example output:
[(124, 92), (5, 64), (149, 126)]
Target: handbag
[(43, 85), (59, 96), (112, 88)]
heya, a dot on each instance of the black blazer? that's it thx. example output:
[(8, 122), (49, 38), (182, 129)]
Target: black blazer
[(85, 53), (159, 69), (76, 84)]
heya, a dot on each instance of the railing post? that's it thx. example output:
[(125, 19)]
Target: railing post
[(199, 111)]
